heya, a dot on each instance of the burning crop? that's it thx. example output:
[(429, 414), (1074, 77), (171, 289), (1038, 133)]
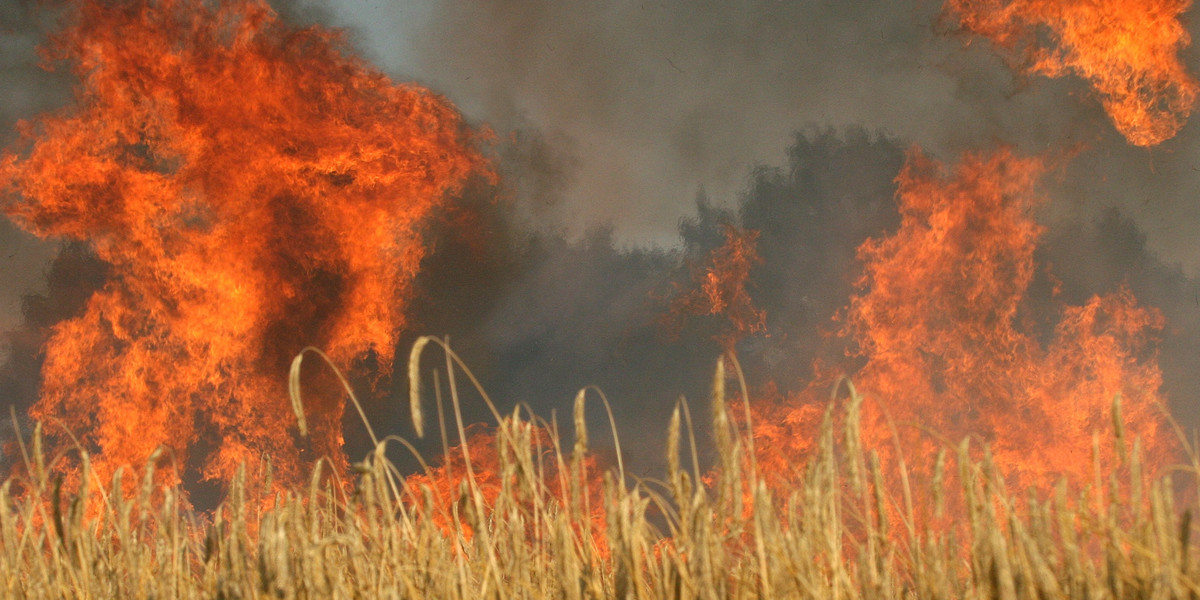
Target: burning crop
[(953, 349), (253, 190)]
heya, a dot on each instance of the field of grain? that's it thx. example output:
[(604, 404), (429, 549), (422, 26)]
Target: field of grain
[(548, 527)]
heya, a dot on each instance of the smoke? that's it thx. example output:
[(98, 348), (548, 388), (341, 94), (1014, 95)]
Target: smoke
[(652, 100), (1097, 256), (608, 119), (28, 90), (538, 316), (658, 98), (74, 274), (648, 101)]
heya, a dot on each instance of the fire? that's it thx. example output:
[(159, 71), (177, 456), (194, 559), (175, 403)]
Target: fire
[(254, 190), (501, 468), (720, 289), (1127, 50), (951, 348)]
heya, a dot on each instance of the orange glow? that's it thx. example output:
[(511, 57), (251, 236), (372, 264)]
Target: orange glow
[(1127, 50), (720, 288), (944, 325), (496, 465), (255, 190)]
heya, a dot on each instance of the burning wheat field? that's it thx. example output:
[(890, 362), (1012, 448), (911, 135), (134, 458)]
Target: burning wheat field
[(324, 299)]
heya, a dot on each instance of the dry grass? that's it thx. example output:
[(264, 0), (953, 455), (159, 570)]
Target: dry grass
[(675, 538)]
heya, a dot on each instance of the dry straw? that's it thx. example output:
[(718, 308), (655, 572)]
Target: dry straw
[(677, 538)]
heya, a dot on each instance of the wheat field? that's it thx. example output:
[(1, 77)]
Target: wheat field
[(551, 526)]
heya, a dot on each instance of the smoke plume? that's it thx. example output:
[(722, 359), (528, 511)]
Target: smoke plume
[(628, 135)]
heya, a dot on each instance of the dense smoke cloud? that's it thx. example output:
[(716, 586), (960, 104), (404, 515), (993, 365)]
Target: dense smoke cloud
[(644, 102), (650, 100), (538, 316), (73, 275), (659, 98), (608, 119), (1097, 256), (28, 90)]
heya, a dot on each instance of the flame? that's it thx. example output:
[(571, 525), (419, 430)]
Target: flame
[(951, 351), (254, 190), (719, 289), (494, 467), (1127, 50)]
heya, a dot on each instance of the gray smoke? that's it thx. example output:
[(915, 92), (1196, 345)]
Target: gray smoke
[(1097, 256), (608, 119), (539, 316), (28, 90), (645, 102), (654, 99)]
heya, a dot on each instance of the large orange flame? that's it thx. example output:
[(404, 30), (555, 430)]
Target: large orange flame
[(1127, 49), (952, 350), (255, 189)]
